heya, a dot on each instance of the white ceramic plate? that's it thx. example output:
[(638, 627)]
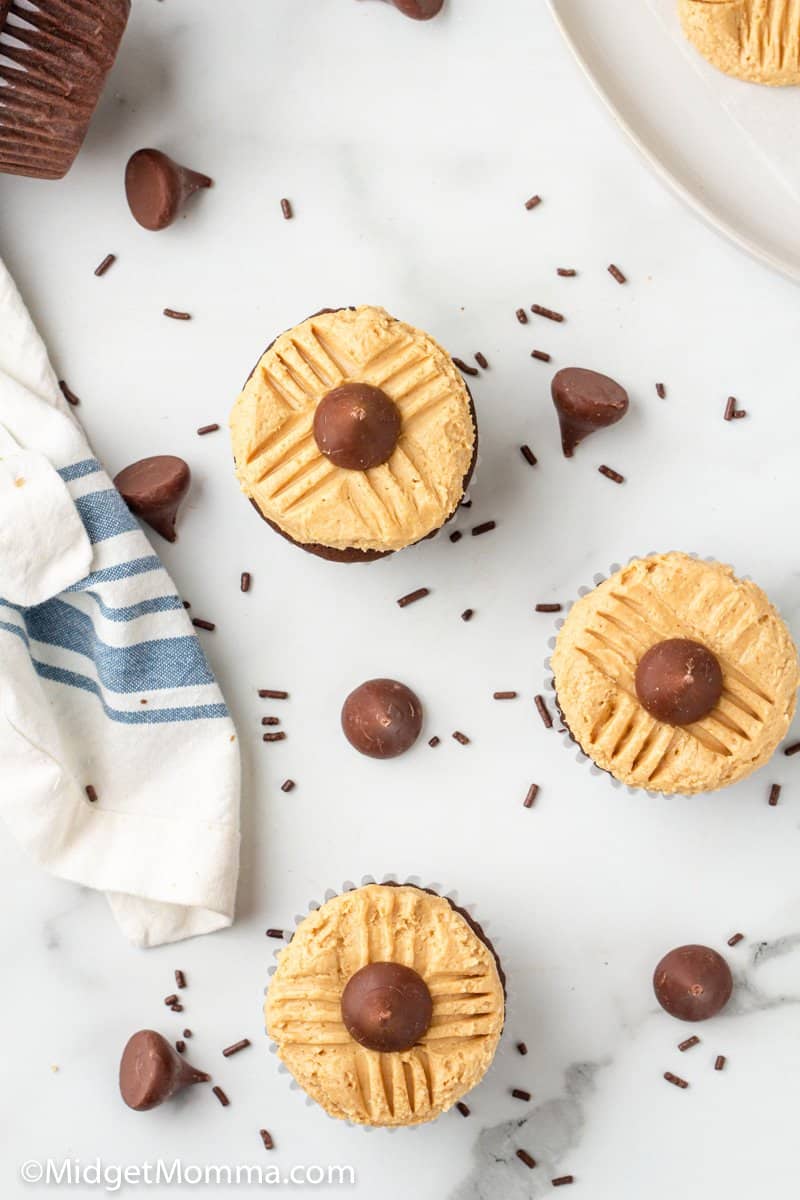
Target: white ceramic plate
[(671, 113)]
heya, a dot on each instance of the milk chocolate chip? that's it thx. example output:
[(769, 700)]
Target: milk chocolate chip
[(357, 426), (157, 187), (387, 1007), (151, 1071), (585, 401), (693, 983), (678, 681), (153, 489), (382, 718)]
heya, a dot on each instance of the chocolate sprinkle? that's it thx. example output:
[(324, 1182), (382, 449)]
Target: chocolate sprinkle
[(456, 536), (548, 608), (468, 614), (522, 316), (520, 1094), (735, 939), (793, 749), (288, 785), (266, 1138), (107, 262), (176, 1007), (275, 933), (566, 272), (523, 1156), (481, 360), (274, 737), (246, 580), (541, 355), (522, 1048), (204, 429), (528, 802), (412, 597), (199, 623), (730, 408), (562, 1180), (272, 694), (486, 527), (461, 738), (465, 368), (236, 1047), (170, 1000), (694, 1040), (528, 455), (176, 315), (434, 741), (719, 1063), (91, 793), (611, 474), (180, 1045), (462, 1108), (180, 979), (270, 720), (68, 393), (675, 1079), (551, 315), (223, 1099), (534, 202), (661, 391), (543, 711), (740, 412), (774, 794), (187, 1033), (617, 274), (286, 209), (504, 695)]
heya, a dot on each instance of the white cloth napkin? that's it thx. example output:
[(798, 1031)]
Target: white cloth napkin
[(102, 679)]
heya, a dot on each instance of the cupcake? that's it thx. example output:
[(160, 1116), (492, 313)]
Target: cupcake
[(355, 435), (675, 676), (54, 59), (387, 1005)]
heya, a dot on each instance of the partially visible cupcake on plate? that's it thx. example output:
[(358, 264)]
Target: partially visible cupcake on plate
[(355, 435), (675, 676), (387, 1005)]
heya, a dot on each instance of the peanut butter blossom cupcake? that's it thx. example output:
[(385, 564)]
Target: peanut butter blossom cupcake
[(355, 435), (675, 676), (387, 1005), (756, 40)]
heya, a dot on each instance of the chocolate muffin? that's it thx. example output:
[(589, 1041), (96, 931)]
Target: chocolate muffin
[(675, 676), (355, 435), (51, 75), (387, 1005)]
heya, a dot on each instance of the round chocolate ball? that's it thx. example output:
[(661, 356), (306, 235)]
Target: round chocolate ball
[(357, 426), (693, 983), (386, 1007), (382, 718), (678, 681)]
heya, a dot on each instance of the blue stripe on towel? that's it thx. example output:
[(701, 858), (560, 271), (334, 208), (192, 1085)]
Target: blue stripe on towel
[(147, 666), (144, 716), (105, 515), (155, 605), (89, 466), (136, 566)]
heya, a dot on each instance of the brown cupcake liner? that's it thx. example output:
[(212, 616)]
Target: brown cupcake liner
[(568, 738), (54, 59), (477, 927), (351, 554)]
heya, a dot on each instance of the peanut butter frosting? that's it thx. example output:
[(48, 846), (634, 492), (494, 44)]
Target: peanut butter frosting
[(649, 601), (281, 468), (380, 923), (757, 40)]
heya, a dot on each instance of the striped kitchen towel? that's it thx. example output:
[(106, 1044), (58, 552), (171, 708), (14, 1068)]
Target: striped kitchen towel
[(103, 684)]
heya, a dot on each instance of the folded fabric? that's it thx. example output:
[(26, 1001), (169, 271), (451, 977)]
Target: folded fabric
[(103, 684)]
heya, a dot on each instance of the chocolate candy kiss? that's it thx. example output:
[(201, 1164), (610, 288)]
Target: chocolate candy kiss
[(386, 1007), (693, 983), (153, 489), (382, 718), (585, 401), (157, 187), (678, 681), (357, 426), (419, 10), (150, 1071)]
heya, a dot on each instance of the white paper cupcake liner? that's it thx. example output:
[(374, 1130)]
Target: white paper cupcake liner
[(412, 881)]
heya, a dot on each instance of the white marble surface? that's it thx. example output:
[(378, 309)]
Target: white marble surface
[(408, 150)]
